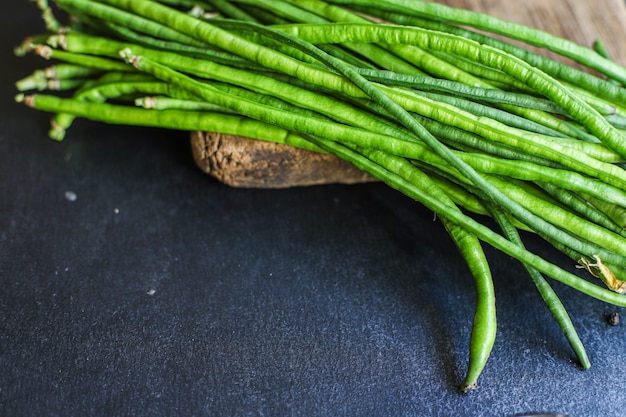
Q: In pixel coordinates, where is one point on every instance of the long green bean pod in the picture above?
(484, 326)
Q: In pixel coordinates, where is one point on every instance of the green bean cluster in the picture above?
(413, 93)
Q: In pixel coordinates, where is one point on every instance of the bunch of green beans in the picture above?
(414, 93)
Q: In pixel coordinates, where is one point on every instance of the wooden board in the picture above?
(241, 162)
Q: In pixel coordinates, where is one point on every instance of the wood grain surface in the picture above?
(245, 163)
(249, 163)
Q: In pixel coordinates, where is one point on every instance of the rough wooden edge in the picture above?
(247, 163)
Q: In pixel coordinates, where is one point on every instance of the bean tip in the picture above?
(25, 84)
(50, 72)
(43, 51)
(25, 47)
(28, 100)
(54, 84)
(468, 387)
(196, 11)
(128, 55)
(58, 41)
(56, 132)
(146, 102)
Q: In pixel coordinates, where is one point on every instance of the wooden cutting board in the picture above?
(241, 162)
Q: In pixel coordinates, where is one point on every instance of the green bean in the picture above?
(66, 84)
(56, 77)
(52, 23)
(292, 13)
(505, 118)
(488, 95)
(169, 119)
(233, 27)
(484, 324)
(181, 3)
(548, 295)
(600, 105)
(559, 177)
(487, 74)
(105, 91)
(618, 121)
(35, 81)
(615, 212)
(391, 57)
(582, 206)
(41, 83)
(111, 87)
(263, 16)
(596, 239)
(349, 58)
(168, 103)
(285, 10)
(281, 102)
(287, 119)
(470, 142)
(480, 110)
(65, 71)
(610, 244)
(29, 44)
(600, 49)
(459, 195)
(113, 15)
(209, 53)
(437, 111)
(231, 10)
(102, 64)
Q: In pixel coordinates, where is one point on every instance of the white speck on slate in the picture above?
(151, 292)
(70, 196)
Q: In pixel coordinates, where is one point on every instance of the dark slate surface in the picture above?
(159, 291)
